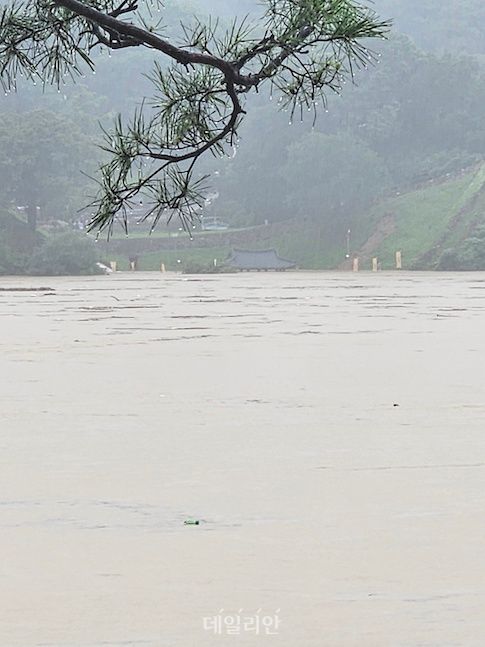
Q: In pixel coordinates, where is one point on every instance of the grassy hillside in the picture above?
(424, 222)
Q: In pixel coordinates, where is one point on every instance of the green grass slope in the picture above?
(424, 222)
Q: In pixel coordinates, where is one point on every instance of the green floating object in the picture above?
(191, 522)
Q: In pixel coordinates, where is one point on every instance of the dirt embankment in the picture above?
(384, 229)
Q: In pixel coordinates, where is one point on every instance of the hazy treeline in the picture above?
(440, 25)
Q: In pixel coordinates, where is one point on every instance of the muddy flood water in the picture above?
(327, 430)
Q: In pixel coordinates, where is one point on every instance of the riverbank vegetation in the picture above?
(66, 252)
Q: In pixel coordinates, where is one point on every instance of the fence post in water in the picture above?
(215, 262)
(398, 261)
(355, 264)
(113, 265)
(162, 267)
(375, 264)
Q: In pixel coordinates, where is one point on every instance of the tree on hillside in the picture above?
(301, 48)
(39, 166)
(346, 179)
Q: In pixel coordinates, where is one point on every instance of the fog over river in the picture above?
(328, 431)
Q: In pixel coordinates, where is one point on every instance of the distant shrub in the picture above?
(11, 261)
(469, 255)
(449, 261)
(16, 244)
(67, 253)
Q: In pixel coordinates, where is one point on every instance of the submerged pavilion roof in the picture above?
(267, 259)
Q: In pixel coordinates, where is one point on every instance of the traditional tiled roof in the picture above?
(267, 259)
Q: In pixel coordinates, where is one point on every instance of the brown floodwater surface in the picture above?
(327, 430)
